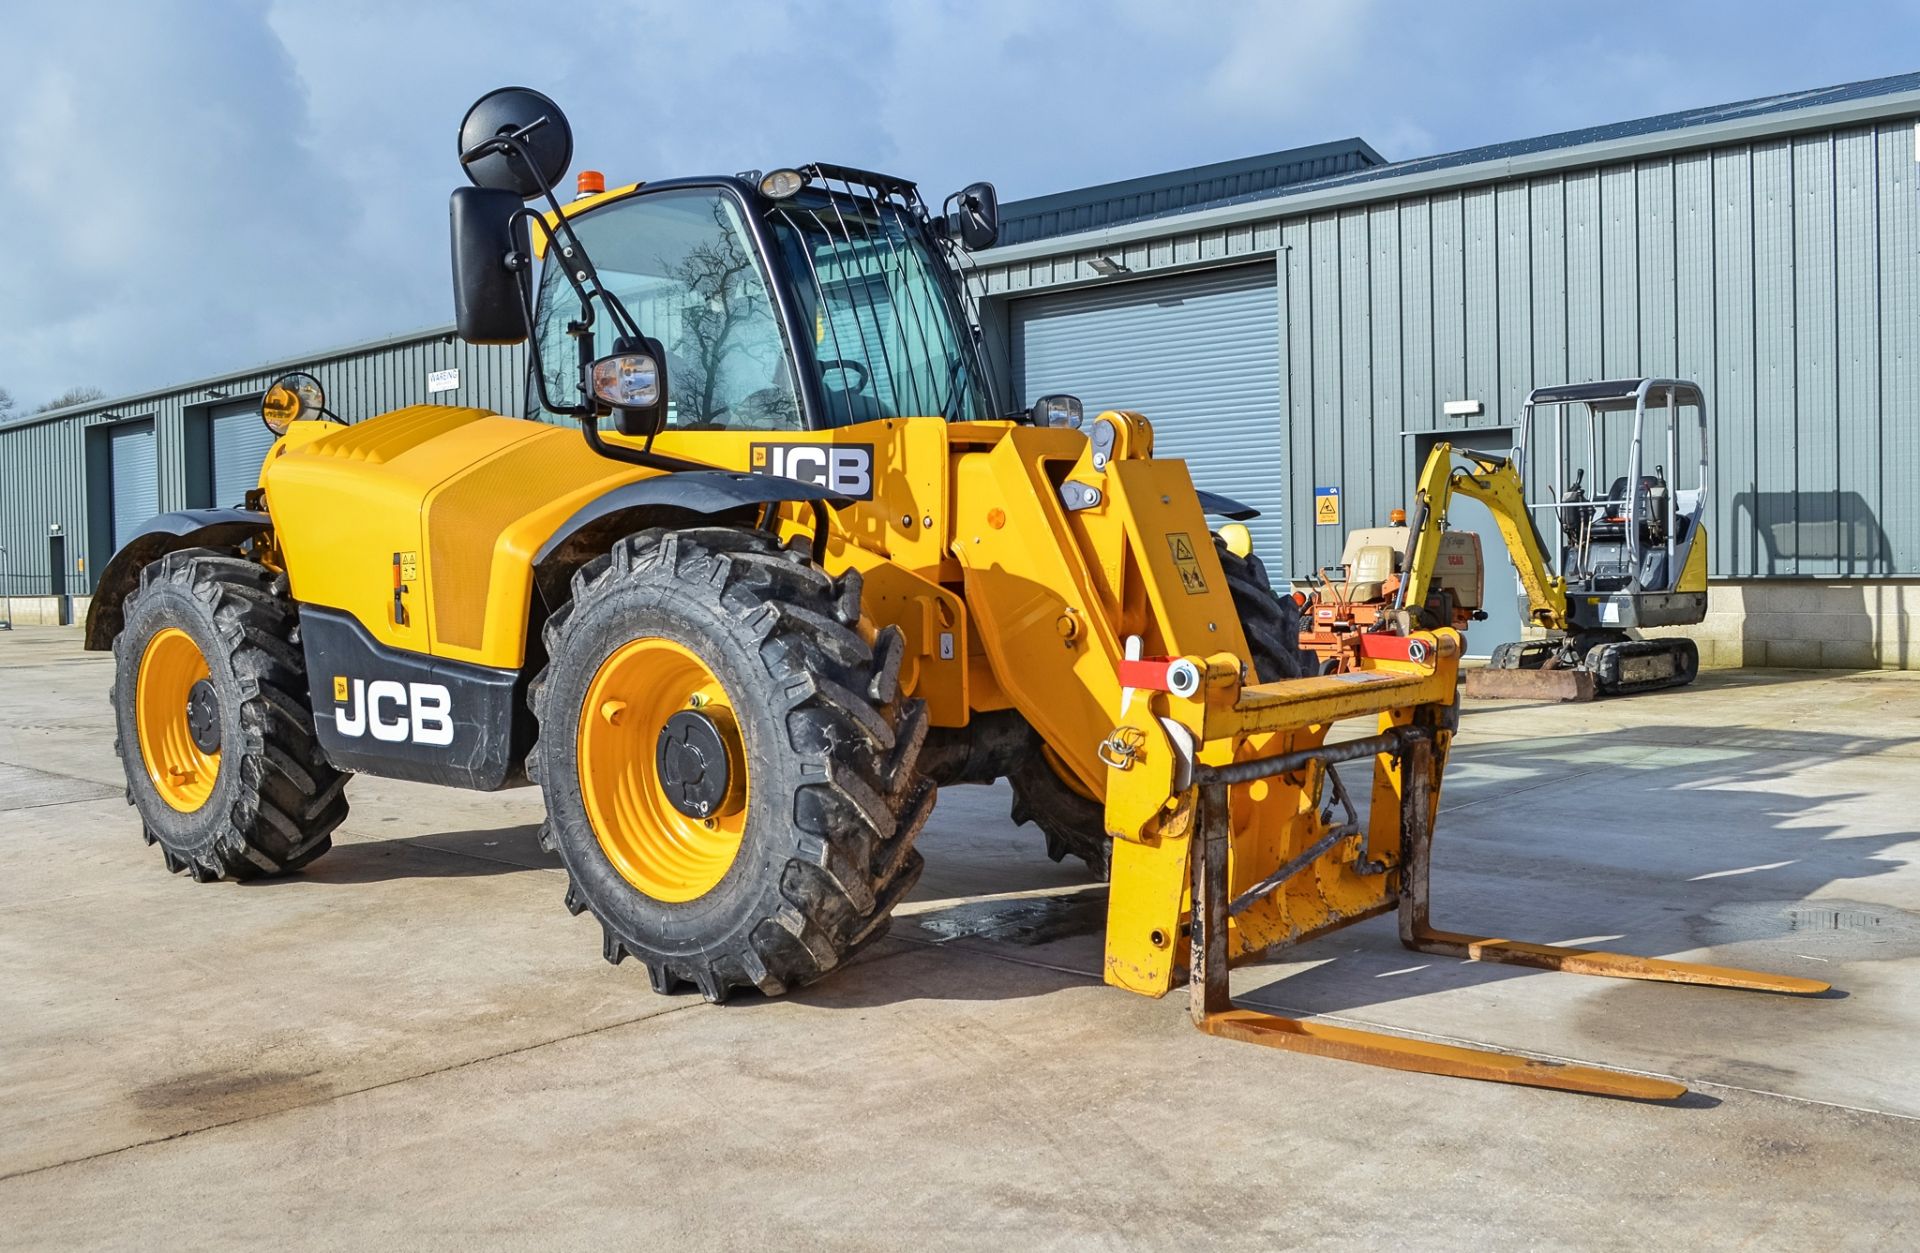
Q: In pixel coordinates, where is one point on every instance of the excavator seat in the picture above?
(1611, 524)
(1373, 566)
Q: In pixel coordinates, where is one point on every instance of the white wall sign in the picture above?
(443, 381)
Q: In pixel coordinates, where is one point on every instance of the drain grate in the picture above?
(1819, 919)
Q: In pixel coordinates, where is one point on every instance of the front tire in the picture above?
(213, 724)
(729, 771)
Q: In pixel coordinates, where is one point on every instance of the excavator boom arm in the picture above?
(1495, 483)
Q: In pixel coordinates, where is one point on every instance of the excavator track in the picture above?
(1643, 665)
(1526, 671)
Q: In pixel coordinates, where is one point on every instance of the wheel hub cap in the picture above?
(693, 763)
(203, 716)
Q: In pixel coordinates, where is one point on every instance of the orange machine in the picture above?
(1360, 592)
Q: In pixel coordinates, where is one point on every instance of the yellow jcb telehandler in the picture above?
(765, 564)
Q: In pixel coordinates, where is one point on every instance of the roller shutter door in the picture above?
(1199, 354)
(135, 490)
(240, 444)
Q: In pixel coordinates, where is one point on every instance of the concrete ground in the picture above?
(414, 1045)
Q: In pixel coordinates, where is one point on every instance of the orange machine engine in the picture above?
(1360, 592)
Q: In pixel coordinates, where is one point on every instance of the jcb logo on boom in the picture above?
(394, 712)
(843, 469)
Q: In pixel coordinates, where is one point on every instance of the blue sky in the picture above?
(199, 185)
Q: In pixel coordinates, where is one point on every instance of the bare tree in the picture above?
(72, 396)
(6, 404)
(723, 294)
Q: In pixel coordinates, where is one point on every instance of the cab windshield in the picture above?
(887, 336)
(878, 318)
(683, 263)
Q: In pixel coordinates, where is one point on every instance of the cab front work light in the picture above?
(629, 380)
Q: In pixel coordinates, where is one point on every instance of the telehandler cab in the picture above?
(792, 569)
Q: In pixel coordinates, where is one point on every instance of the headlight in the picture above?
(1057, 411)
(291, 398)
(628, 380)
(782, 183)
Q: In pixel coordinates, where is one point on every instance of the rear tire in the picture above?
(1270, 621)
(831, 801)
(1075, 824)
(263, 801)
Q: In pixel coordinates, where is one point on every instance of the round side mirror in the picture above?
(544, 138)
(291, 398)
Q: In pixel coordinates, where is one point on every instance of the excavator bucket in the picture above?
(1499, 683)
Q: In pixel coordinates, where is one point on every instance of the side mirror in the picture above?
(515, 139)
(632, 383)
(291, 398)
(489, 294)
(977, 219)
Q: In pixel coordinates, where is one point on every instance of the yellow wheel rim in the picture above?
(182, 772)
(661, 851)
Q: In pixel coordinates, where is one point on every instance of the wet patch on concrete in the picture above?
(221, 1094)
(1827, 929)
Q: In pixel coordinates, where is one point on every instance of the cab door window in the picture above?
(685, 267)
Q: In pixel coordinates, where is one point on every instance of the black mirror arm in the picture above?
(533, 343)
(580, 271)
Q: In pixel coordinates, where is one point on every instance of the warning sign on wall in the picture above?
(1326, 506)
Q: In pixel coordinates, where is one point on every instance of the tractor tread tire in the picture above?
(276, 801)
(1075, 825)
(819, 872)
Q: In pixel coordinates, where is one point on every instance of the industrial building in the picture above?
(1301, 326)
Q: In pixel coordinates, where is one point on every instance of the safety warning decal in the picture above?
(1326, 506)
(1187, 563)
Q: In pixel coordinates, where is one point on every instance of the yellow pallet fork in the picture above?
(1334, 871)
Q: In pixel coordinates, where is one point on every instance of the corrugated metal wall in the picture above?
(1781, 275)
(1784, 275)
(49, 464)
(1197, 351)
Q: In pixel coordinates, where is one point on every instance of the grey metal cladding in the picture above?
(1198, 355)
(239, 442)
(1783, 273)
(1895, 435)
(52, 460)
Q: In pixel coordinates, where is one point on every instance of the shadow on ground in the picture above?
(1609, 856)
(440, 855)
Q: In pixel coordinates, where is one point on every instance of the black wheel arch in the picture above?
(226, 530)
(673, 501)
